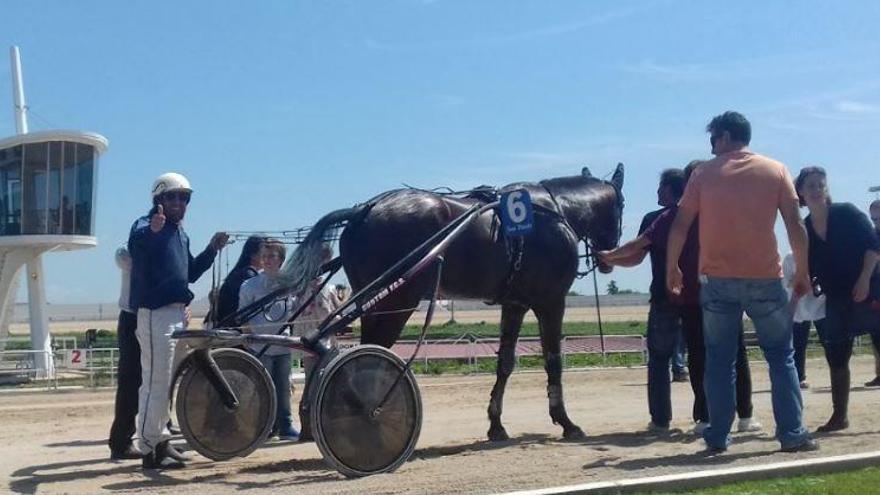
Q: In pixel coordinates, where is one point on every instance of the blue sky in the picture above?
(280, 111)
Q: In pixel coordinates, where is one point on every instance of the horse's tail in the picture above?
(305, 263)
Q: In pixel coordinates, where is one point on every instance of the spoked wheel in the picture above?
(366, 420)
(212, 429)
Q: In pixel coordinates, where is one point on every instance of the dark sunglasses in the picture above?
(178, 195)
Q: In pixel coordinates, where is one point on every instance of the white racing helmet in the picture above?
(170, 181)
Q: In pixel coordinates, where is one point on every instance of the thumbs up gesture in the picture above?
(157, 221)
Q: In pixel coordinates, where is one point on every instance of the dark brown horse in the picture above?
(535, 274)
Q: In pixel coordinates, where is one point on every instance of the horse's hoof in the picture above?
(574, 434)
(498, 434)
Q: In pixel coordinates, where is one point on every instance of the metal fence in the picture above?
(471, 348)
(19, 366)
(97, 367)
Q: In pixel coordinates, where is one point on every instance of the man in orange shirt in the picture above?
(737, 196)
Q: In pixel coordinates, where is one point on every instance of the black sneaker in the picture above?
(874, 383)
(159, 460)
(712, 451)
(175, 454)
(129, 453)
(809, 445)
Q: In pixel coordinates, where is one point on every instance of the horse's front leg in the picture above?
(511, 322)
(550, 321)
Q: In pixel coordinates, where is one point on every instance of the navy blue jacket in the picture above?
(161, 265)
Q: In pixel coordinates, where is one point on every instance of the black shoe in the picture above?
(809, 445)
(131, 452)
(712, 451)
(173, 453)
(833, 424)
(173, 429)
(159, 460)
(681, 377)
(874, 383)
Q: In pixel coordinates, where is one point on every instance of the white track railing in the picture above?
(90, 363)
(21, 363)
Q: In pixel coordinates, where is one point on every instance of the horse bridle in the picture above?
(590, 250)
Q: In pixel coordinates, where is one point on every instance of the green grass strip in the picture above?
(862, 481)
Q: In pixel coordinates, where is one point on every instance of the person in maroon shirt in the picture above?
(670, 311)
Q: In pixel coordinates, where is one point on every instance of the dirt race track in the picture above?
(55, 443)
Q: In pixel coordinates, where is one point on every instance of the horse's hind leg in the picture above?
(550, 321)
(383, 324)
(511, 321)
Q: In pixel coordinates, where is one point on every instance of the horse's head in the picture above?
(593, 207)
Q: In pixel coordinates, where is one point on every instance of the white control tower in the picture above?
(47, 203)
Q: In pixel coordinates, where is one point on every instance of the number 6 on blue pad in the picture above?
(516, 212)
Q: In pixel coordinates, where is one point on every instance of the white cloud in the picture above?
(855, 107)
(762, 68)
(672, 73)
(812, 111)
(516, 37)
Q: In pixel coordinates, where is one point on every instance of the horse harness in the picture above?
(515, 246)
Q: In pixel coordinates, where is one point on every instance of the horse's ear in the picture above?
(585, 173)
(617, 178)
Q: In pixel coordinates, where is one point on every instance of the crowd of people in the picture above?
(713, 253)
(714, 257)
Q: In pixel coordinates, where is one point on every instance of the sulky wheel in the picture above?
(357, 434)
(214, 430)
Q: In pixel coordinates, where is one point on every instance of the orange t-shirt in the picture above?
(737, 196)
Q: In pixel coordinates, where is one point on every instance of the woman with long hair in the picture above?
(844, 251)
(248, 265)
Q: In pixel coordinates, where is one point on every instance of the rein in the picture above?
(589, 255)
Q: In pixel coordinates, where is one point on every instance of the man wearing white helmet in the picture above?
(162, 269)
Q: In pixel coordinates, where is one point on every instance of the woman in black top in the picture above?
(843, 255)
(248, 265)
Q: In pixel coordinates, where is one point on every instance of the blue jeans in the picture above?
(764, 300)
(678, 356)
(664, 333)
(279, 369)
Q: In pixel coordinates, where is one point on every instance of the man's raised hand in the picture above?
(219, 240)
(157, 221)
